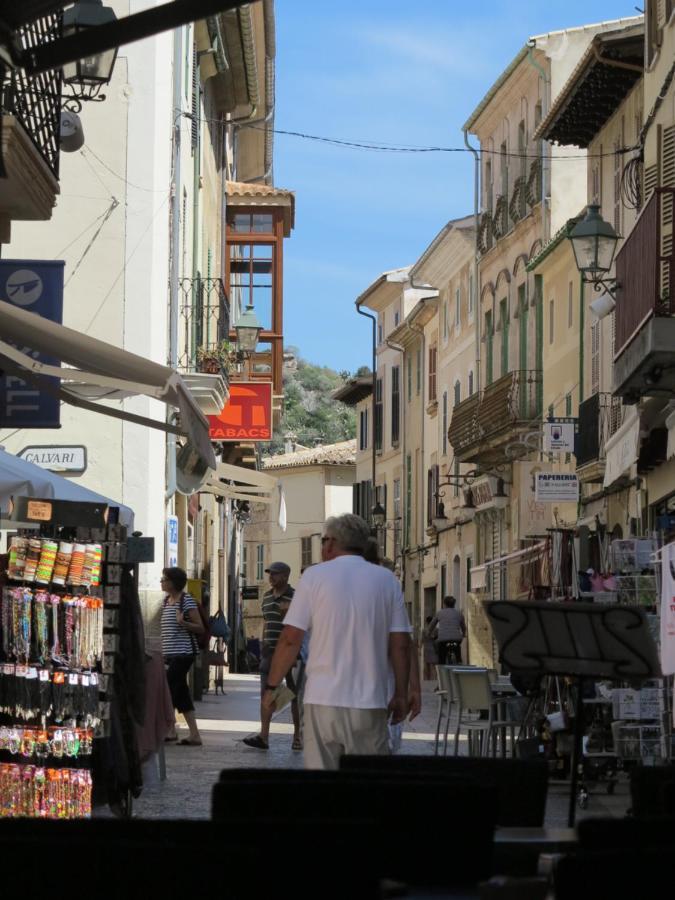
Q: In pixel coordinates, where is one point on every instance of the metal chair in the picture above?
(477, 711)
(446, 706)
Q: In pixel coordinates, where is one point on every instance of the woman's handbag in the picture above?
(215, 657)
(218, 626)
(558, 721)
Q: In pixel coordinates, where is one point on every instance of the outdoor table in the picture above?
(501, 691)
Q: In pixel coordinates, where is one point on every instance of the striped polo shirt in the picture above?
(273, 616)
(176, 641)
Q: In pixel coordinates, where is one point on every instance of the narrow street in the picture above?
(224, 720)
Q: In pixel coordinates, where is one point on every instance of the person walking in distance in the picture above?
(275, 605)
(451, 632)
(180, 625)
(358, 624)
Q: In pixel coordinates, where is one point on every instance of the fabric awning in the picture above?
(239, 483)
(20, 478)
(622, 449)
(479, 573)
(95, 370)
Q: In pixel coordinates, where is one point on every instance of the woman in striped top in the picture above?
(180, 625)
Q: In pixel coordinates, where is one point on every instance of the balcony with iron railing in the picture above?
(644, 358)
(30, 107)
(204, 328)
(600, 416)
(484, 423)
(204, 351)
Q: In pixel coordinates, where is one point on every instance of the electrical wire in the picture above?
(111, 209)
(631, 183)
(88, 150)
(386, 147)
(81, 234)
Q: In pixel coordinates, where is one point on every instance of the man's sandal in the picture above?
(297, 743)
(256, 742)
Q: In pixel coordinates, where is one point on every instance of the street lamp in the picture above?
(248, 330)
(594, 244)
(379, 515)
(87, 76)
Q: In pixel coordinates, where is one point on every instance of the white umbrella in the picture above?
(19, 478)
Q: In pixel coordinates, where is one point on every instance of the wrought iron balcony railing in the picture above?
(204, 325)
(645, 269)
(35, 101)
(600, 416)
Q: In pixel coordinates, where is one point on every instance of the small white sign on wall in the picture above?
(556, 487)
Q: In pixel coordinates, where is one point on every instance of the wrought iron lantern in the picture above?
(88, 75)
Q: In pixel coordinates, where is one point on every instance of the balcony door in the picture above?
(524, 317)
(504, 319)
(488, 348)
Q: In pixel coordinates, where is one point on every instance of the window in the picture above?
(445, 320)
(397, 318)
(305, 552)
(362, 499)
(458, 309)
(379, 333)
(504, 318)
(363, 429)
(397, 518)
(488, 186)
(432, 494)
(551, 411)
(458, 392)
(489, 336)
(410, 368)
(568, 404)
(551, 321)
(570, 305)
(444, 581)
(444, 426)
(418, 380)
(470, 383)
(243, 569)
(251, 274)
(395, 405)
(469, 566)
(408, 499)
(471, 290)
(504, 168)
(455, 474)
(379, 414)
(260, 562)
(381, 498)
(433, 356)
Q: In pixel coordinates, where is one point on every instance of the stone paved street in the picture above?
(226, 719)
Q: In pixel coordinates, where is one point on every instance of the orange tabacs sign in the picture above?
(247, 415)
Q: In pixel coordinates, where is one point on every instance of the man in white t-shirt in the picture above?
(359, 625)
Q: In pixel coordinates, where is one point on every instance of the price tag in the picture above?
(21, 671)
(85, 680)
(73, 679)
(39, 511)
(44, 674)
(32, 673)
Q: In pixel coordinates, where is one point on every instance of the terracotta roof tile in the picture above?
(342, 454)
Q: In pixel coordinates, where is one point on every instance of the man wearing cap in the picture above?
(275, 605)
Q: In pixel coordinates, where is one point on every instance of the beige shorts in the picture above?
(332, 731)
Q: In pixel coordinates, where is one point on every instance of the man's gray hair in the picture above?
(350, 532)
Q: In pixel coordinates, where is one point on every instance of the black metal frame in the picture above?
(35, 99)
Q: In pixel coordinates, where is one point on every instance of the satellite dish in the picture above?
(191, 469)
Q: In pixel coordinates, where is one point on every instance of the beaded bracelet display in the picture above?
(44, 742)
(40, 793)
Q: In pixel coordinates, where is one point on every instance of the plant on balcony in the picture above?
(214, 359)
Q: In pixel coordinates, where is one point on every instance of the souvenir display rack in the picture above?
(58, 617)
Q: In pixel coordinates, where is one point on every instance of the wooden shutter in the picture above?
(667, 180)
(595, 357)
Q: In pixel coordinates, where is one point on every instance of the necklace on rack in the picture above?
(41, 628)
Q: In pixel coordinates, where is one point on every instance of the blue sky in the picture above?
(399, 72)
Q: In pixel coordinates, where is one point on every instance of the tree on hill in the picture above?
(311, 417)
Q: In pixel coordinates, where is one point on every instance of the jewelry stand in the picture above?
(581, 640)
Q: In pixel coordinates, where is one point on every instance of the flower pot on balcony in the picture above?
(210, 365)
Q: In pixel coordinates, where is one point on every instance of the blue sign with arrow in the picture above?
(37, 287)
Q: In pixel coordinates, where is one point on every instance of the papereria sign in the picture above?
(56, 459)
(247, 415)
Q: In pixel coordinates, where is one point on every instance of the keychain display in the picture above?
(43, 742)
(29, 694)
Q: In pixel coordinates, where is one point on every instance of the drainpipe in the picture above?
(176, 188)
(531, 45)
(401, 350)
(476, 285)
(374, 349)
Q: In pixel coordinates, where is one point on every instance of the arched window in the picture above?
(456, 577)
(458, 391)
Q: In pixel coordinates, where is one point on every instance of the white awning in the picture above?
(479, 572)
(241, 484)
(94, 370)
(621, 450)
